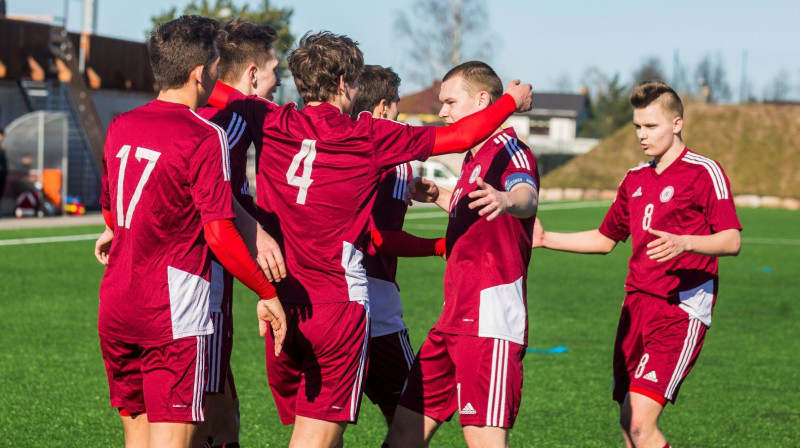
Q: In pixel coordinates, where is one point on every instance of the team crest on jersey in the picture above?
(475, 173)
(666, 193)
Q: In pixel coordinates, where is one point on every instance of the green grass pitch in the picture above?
(744, 390)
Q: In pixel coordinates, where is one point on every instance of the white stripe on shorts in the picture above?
(355, 395)
(689, 344)
(408, 353)
(495, 409)
(199, 385)
(215, 353)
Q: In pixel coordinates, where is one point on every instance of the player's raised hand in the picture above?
(269, 256)
(103, 246)
(421, 190)
(522, 94)
(495, 203)
(270, 312)
(537, 239)
(666, 247)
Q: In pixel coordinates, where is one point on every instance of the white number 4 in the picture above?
(308, 151)
(141, 153)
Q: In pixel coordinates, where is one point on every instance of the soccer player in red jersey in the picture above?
(471, 361)
(249, 64)
(166, 198)
(678, 210)
(318, 173)
(390, 352)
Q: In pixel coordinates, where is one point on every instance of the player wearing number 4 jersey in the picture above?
(318, 172)
(678, 210)
(166, 198)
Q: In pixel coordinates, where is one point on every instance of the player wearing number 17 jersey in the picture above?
(166, 198)
(318, 172)
(678, 210)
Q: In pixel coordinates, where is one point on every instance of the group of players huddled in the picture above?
(319, 246)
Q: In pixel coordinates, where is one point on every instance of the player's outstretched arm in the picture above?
(473, 129)
(230, 250)
(588, 242)
(668, 245)
(399, 243)
(522, 201)
(260, 244)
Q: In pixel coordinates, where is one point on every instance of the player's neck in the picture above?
(187, 97)
(665, 160)
(474, 150)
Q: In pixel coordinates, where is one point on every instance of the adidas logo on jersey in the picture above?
(638, 192)
(468, 409)
(651, 376)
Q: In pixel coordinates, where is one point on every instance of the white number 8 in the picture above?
(648, 216)
(642, 364)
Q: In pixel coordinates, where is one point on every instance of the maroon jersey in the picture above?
(690, 197)
(487, 261)
(388, 213)
(165, 175)
(239, 140)
(318, 172)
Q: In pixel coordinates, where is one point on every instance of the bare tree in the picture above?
(713, 79)
(650, 70)
(563, 84)
(779, 88)
(443, 34)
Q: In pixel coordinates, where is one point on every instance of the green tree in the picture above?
(609, 107)
(224, 10)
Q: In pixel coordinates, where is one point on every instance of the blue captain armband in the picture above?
(517, 178)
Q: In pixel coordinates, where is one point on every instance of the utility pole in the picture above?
(89, 27)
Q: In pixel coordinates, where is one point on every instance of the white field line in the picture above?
(50, 239)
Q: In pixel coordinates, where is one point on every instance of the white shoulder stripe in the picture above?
(518, 162)
(223, 142)
(521, 153)
(714, 171)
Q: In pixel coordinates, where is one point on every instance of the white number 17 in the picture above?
(308, 151)
(141, 153)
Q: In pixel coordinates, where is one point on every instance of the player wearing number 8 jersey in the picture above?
(318, 172)
(678, 210)
(166, 198)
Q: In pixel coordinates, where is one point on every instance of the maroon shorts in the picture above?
(166, 381)
(390, 358)
(481, 378)
(657, 345)
(220, 343)
(320, 371)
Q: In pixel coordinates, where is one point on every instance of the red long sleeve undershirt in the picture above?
(108, 218)
(473, 129)
(232, 253)
(403, 244)
(464, 134)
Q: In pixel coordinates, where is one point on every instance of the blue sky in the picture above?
(540, 42)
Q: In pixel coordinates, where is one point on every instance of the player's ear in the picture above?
(677, 125)
(484, 99)
(197, 74)
(342, 85)
(382, 108)
(252, 70)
